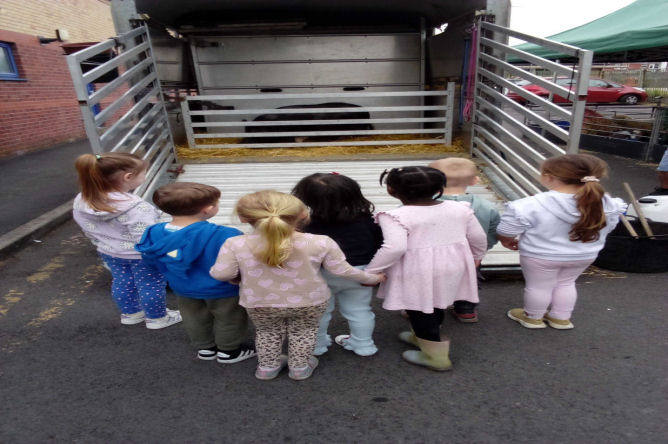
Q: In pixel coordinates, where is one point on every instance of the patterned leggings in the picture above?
(273, 324)
(135, 286)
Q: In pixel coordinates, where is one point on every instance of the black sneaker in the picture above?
(241, 354)
(207, 354)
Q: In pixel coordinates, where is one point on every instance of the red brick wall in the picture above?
(42, 110)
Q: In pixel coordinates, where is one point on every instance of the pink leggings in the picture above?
(550, 284)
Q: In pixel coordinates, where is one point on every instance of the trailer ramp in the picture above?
(236, 180)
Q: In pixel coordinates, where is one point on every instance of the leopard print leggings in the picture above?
(300, 324)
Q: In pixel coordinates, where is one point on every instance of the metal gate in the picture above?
(514, 130)
(259, 120)
(121, 102)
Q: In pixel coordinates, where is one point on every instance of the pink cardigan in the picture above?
(297, 283)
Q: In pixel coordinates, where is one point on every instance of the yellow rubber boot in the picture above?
(408, 337)
(433, 355)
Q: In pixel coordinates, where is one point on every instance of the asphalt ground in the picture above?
(70, 372)
(35, 183)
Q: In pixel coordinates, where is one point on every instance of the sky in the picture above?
(542, 18)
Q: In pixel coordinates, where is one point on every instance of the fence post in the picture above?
(641, 78)
(657, 125)
(449, 113)
(187, 122)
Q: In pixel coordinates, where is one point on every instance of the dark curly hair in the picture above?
(415, 182)
(332, 197)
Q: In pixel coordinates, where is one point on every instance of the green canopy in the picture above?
(637, 32)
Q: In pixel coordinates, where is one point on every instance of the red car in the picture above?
(600, 91)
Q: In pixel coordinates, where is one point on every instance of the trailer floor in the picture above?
(236, 179)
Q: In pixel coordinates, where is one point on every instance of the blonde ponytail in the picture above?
(275, 217)
(98, 176)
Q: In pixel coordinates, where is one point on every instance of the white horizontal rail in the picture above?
(334, 143)
(274, 96)
(321, 122)
(319, 133)
(360, 109)
(561, 47)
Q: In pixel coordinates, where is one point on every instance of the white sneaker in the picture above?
(132, 318)
(172, 317)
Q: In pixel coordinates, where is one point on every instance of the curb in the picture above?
(19, 237)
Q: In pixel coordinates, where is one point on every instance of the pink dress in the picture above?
(428, 254)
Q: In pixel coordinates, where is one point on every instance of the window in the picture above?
(8, 69)
(596, 83)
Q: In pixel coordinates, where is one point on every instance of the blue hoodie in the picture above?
(185, 256)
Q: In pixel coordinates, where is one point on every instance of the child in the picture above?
(430, 251)
(560, 234)
(461, 173)
(662, 171)
(114, 220)
(184, 250)
(281, 285)
(340, 211)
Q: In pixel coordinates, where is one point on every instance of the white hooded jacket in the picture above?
(115, 234)
(543, 222)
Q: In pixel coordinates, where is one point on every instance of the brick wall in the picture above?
(84, 20)
(42, 110)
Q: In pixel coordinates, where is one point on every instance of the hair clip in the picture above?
(98, 157)
(589, 179)
(335, 173)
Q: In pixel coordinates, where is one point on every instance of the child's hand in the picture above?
(510, 243)
(382, 277)
(477, 262)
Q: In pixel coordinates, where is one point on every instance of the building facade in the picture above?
(38, 107)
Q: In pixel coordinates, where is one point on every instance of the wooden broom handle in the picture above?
(641, 216)
(628, 226)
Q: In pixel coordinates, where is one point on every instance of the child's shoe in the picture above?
(348, 343)
(408, 337)
(299, 374)
(241, 354)
(132, 318)
(559, 324)
(466, 318)
(207, 354)
(433, 355)
(518, 314)
(172, 317)
(464, 311)
(267, 374)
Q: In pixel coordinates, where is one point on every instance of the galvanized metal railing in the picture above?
(391, 113)
(511, 149)
(121, 102)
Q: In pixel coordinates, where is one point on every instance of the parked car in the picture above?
(599, 91)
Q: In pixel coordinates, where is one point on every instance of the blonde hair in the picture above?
(275, 217)
(458, 171)
(571, 169)
(99, 175)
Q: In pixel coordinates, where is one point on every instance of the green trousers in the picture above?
(221, 322)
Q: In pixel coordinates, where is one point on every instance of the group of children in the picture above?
(323, 245)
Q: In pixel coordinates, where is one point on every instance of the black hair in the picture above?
(332, 197)
(415, 183)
